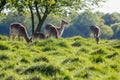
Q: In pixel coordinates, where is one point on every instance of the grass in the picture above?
(74, 58)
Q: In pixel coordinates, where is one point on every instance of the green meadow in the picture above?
(74, 58)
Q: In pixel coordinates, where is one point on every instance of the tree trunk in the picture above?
(32, 19)
(41, 19)
(2, 4)
(37, 10)
(38, 29)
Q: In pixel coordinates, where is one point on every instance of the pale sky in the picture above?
(110, 6)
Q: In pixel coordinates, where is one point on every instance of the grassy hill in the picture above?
(73, 58)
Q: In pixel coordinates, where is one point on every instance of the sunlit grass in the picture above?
(74, 58)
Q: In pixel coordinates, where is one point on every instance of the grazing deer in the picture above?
(17, 29)
(51, 30)
(38, 35)
(95, 30)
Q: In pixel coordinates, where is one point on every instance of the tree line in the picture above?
(109, 24)
(78, 23)
(42, 8)
(35, 14)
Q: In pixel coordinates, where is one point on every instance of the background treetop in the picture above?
(42, 8)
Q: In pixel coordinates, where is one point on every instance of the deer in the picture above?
(17, 29)
(95, 30)
(51, 30)
(38, 35)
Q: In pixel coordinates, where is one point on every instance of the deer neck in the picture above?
(61, 29)
(26, 37)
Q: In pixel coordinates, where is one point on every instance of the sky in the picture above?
(110, 6)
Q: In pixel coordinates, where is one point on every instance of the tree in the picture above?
(44, 7)
(106, 31)
(81, 25)
(116, 30)
(111, 18)
(8, 19)
(2, 4)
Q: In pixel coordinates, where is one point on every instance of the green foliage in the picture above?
(80, 26)
(2, 4)
(116, 29)
(105, 30)
(44, 7)
(10, 18)
(111, 18)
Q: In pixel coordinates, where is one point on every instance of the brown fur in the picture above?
(17, 29)
(51, 30)
(38, 35)
(95, 30)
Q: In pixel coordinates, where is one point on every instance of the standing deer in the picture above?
(51, 30)
(17, 29)
(38, 35)
(95, 30)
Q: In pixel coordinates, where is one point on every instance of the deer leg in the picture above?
(18, 37)
(56, 36)
(47, 36)
(9, 36)
(97, 40)
(13, 36)
(94, 35)
(22, 38)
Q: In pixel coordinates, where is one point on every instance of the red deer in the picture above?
(95, 30)
(17, 29)
(38, 35)
(51, 30)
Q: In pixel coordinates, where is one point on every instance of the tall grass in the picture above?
(74, 58)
